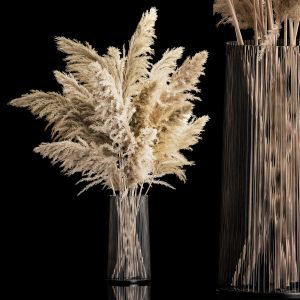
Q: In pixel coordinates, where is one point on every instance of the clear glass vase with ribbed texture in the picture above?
(129, 241)
(260, 210)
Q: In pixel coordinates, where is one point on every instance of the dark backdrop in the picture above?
(55, 242)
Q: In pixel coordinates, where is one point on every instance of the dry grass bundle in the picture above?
(265, 17)
(287, 9)
(121, 121)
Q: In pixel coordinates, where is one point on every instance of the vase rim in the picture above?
(250, 43)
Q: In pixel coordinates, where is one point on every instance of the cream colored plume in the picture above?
(242, 10)
(120, 120)
(287, 9)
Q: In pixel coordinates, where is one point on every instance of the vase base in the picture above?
(126, 282)
(240, 295)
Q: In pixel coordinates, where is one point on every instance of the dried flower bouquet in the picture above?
(122, 122)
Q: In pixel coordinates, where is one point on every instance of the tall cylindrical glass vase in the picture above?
(129, 242)
(260, 210)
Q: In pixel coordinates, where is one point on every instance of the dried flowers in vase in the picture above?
(122, 121)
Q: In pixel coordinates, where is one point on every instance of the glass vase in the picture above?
(129, 242)
(260, 210)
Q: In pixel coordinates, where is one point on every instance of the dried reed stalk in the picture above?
(235, 23)
(264, 17)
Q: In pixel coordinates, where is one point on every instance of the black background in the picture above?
(55, 243)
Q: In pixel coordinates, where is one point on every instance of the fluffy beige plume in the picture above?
(187, 76)
(177, 90)
(137, 63)
(119, 122)
(144, 104)
(71, 88)
(287, 9)
(190, 133)
(243, 9)
(180, 133)
(79, 56)
(67, 120)
(90, 160)
(142, 162)
(166, 66)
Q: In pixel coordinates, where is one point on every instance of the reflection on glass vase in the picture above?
(130, 292)
(260, 215)
(129, 242)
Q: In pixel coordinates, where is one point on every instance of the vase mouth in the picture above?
(251, 43)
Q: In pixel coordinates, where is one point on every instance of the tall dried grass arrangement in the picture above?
(120, 120)
(267, 18)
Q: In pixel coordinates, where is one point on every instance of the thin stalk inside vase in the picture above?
(264, 17)
(273, 201)
(131, 292)
(129, 261)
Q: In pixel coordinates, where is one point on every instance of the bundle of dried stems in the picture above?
(121, 121)
(267, 18)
